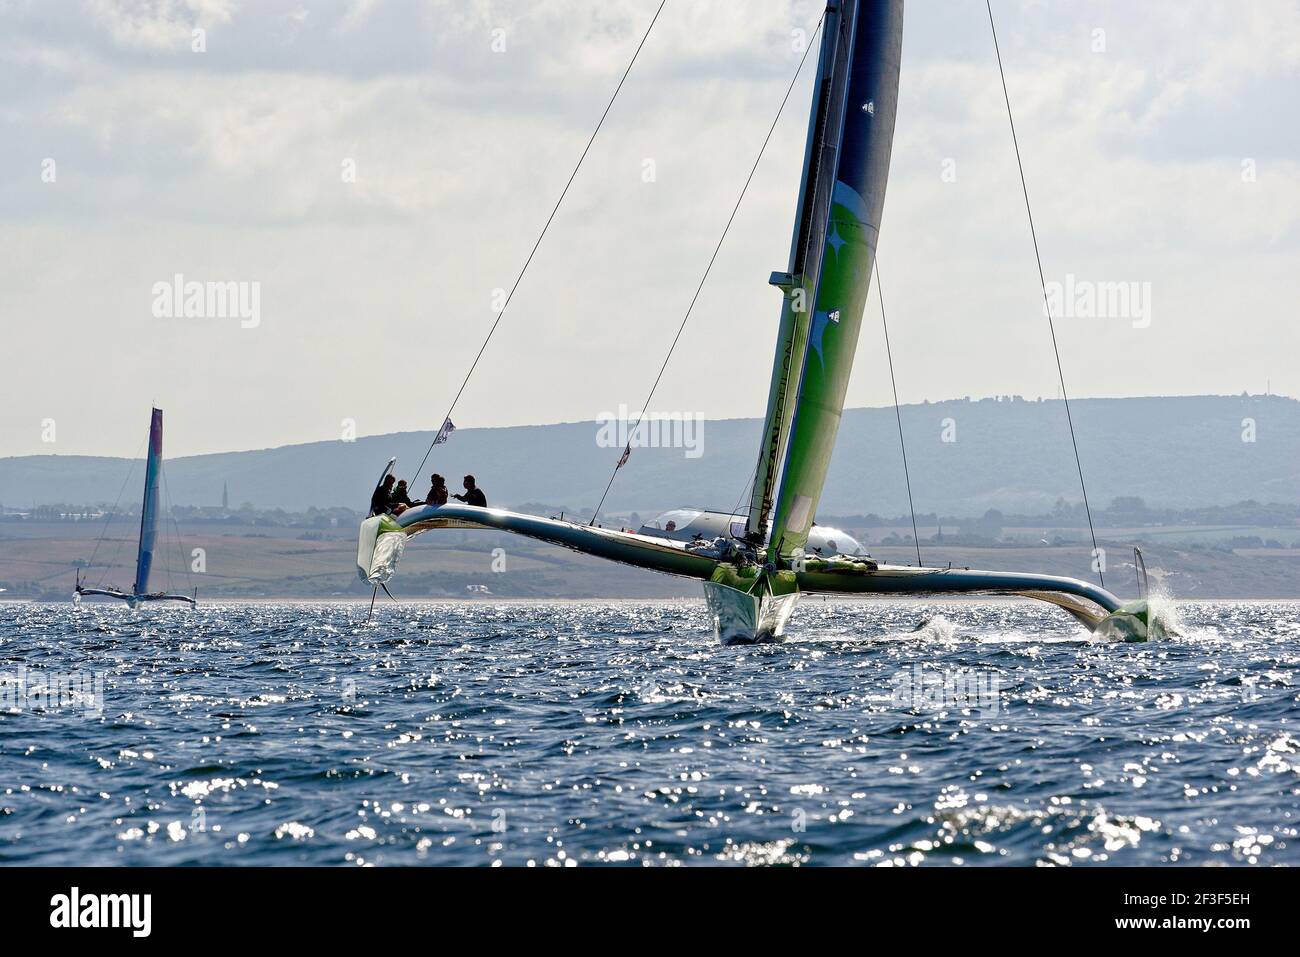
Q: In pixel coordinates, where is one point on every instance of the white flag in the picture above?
(444, 433)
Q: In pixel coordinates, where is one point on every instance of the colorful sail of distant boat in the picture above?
(149, 508)
(149, 517)
(755, 565)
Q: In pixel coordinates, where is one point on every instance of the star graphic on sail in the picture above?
(821, 320)
(835, 239)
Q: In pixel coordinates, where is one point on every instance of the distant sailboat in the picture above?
(149, 513)
(754, 566)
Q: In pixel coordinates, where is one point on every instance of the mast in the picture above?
(149, 509)
(797, 283)
(846, 166)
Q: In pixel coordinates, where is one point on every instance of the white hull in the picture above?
(740, 618)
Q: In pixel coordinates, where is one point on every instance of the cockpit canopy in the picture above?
(689, 524)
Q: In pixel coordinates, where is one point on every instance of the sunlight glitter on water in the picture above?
(881, 733)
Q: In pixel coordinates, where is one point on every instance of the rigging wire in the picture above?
(712, 259)
(112, 564)
(746, 492)
(176, 530)
(880, 291)
(527, 262)
(112, 512)
(1046, 302)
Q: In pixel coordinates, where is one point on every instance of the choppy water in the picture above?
(564, 733)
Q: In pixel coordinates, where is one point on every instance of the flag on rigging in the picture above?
(444, 433)
(627, 454)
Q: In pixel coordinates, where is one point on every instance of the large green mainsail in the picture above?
(846, 167)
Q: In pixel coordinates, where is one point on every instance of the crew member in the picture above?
(382, 498)
(473, 494)
(437, 491)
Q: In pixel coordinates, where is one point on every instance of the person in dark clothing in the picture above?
(437, 491)
(400, 496)
(473, 494)
(382, 498)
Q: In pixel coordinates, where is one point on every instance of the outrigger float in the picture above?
(755, 565)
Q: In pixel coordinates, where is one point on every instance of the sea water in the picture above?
(575, 733)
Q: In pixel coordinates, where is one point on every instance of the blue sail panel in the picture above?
(149, 509)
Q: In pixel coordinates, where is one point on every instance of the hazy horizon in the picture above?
(379, 167)
(169, 454)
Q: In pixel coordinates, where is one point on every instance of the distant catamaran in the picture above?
(149, 512)
(755, 565)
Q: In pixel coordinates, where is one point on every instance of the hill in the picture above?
(965, 456)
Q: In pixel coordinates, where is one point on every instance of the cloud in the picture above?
(162, 26)
(234, 163)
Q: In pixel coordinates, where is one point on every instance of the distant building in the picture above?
(225, 495)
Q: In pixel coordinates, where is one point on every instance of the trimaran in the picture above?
(754, 566)
(149, 514)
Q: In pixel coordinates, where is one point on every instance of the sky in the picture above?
(375, 171)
